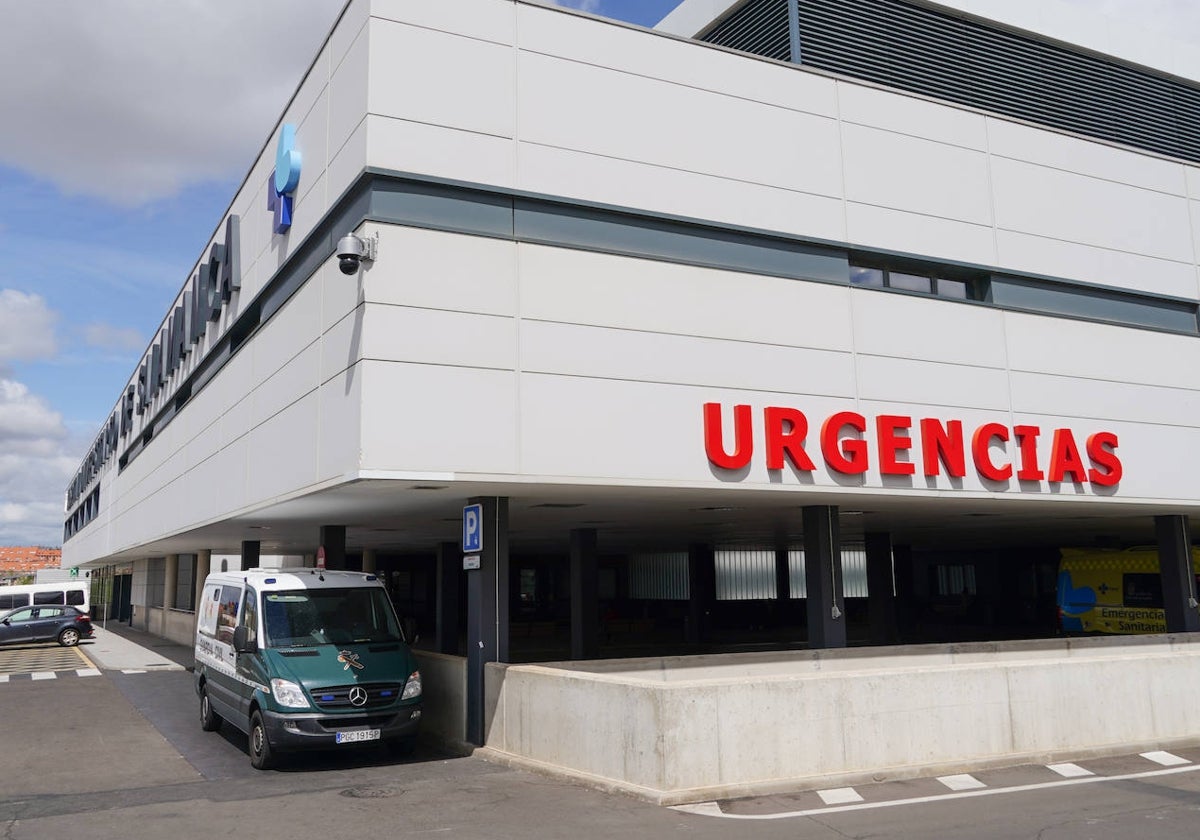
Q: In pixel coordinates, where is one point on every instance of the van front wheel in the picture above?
(261, 755)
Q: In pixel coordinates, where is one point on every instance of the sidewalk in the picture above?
(122, 648)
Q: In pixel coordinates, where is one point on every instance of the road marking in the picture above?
(88, 672)
(1070, 771)
(3, 678)
(43, 675)
(1166, 759)
(963, 781)
(713, 809)
(839, 796)
(131, 671)
(84, 657)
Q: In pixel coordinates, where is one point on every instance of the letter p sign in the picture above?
(472, 541)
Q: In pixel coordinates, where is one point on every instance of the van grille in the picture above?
(337, 698)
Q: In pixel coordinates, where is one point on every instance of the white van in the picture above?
(304, 658)
(60, 593)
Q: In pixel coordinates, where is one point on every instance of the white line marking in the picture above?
(3, 678)
(1070, 771)
(839, 796)
(712, 809)
(1166, 759)
(963, 781)
(44, 675)
(87, 672)
(131, 671)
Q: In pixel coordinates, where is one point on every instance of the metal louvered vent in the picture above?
(917, 49)
(759, 27)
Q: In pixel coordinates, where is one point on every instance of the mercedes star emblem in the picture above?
(358, 696)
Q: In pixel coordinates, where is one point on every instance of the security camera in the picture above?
(352, 250)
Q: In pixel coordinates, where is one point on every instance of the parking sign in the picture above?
(472, 540)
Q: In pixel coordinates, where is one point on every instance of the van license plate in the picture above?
(357, 736)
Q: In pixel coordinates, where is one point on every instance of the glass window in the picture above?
(249, 618)
(871, 277)
(55, 597)
(22, 615)
(310, 617)
(908, 282)
(185, 583)
(75, 597)
(952, 288)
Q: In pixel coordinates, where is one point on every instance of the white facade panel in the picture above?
(892, 111)
(340, 407)
(485, 20)
(291, 330)
(405, 146)
(1076, 208)
(433, 418)
(914, 233)
(294, 381)
(608, 291)
(441, 78)
(916, 175)
(1083, 157)
(1095, 399)
(606, 180)
(604, 353)
(1023, 252)
(282, 451)
(884, 379)
(445, 271)
(348, 91)
(436, 337)
(578, 106)
(910, 327)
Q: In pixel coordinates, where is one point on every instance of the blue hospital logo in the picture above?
(281, 187)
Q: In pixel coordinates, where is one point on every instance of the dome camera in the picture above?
(352, 250)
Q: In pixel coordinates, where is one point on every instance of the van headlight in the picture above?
(289, 694)
(412, 688)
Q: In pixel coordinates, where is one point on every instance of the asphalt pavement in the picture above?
(116, 751)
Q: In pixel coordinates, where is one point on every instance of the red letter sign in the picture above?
(944, 444)
(788, 443)
(886, 426)
(851, 456)
(743, 435)
(983, 458)
(1102, 450)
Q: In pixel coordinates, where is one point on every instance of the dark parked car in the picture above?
(65, 625)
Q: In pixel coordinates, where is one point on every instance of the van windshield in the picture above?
(311, 617)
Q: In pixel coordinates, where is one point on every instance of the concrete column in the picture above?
(449, 579)
(1178, 576)
(487, 610)
(585, 594)
(368, 560)
(333, 540)
(203, 566)
(170, 580)
(823, 573)
(702, 591)
(250, 554)
(881, 601)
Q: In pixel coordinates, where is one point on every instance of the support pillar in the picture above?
(585, 595)
(823, 574)
(170, 581)
(1178, 576)
(702, 592)
(250, 554)
(203, 567)
(333, 540)
(449, 578)
(906, 592)
(881, 593)
(487, 611)
(369, 561)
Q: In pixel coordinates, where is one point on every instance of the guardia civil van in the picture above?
(304, 658)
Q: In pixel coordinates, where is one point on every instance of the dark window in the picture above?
(1143, 590)
(954, 580)
(8, 602)
(185, 582)
(75, 597)
(55, 597)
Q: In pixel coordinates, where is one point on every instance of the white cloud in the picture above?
(592, 6)
(108, 337)
(131, 100)
(26, 327)
(34, 468)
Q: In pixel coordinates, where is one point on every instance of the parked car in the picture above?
(62, 624)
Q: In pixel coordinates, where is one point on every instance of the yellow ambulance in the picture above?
(1111, 591)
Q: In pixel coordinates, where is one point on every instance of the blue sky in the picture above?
(128, 124)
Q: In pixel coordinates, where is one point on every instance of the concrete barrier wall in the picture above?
(689, 729)
(176, 625)
(444, 686)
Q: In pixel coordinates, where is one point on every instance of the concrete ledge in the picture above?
(687, 729)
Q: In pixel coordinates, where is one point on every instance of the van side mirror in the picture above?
(242, 643)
